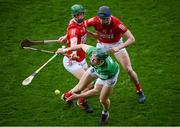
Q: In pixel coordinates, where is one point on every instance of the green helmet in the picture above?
(76, 9)
(100, 53)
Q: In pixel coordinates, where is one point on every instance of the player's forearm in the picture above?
(63, 51)
(93, 35)
(84, 47)
(129, 41)
(74, 41)
(89, 93)
(73, 48)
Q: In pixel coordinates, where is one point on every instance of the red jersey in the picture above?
(79, 31)
(108, 33)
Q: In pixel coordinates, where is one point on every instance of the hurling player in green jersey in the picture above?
(103, 69)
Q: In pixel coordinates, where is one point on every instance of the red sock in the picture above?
(81, 100)
(138, 87)
(68, 94)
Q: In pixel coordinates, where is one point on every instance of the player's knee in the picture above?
(128, 69)
(102, 100)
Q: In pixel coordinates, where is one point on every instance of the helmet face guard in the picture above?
(79, 17)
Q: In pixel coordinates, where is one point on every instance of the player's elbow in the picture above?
(132, 39)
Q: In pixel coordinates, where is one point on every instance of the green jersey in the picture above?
(108, 69)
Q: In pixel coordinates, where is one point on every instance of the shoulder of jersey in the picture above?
(115, 19)
(93, 19)
(96, 19)
(72, 23)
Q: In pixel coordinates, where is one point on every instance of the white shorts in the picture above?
(73, 66)
(111, 82)
(107, 46)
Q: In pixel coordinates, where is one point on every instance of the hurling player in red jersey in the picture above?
(110, 31)
(75, 61)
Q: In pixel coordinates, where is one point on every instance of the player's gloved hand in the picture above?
(62, 39)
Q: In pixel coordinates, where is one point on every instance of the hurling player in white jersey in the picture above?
(110, 31)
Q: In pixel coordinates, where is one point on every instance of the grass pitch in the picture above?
(155, 57)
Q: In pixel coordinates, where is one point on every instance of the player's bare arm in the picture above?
(84, 47)
(73, 41)
(129, 40)
(89, 93)
(93, 35)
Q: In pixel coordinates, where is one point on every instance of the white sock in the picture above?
(105, 112)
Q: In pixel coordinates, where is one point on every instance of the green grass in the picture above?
(155, 57)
